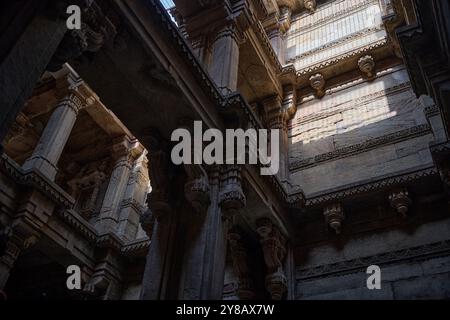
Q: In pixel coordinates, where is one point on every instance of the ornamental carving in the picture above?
(241, 267)
(231, 195)
(317, 82)
(147, 220)
(273, 244)
(310, 5)
(334, 216)
(96, 31)
(367, 66)
(197, 193)
(400, 201)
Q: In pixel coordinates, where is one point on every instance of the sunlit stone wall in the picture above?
(360, 131)
(335, 29)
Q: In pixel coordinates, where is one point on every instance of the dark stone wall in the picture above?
(427, 279)
(414, 265)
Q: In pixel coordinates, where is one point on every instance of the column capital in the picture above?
(231, 196)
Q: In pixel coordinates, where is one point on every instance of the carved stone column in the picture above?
(125, 153)
(225, 59)
(54, 138)
(241, 267)
(274, 248)
(131, 207)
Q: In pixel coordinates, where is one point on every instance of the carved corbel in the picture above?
(240, 265)
(367, 66)
(285, 18)
(147, 221)
(400, 201)
(274, 248)
(317, 82)
(310, 5)
(289, 102)
(231, 195)
(334, 216)
(273, 112)
(98, 286)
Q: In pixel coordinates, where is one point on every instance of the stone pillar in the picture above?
(131, 206)
(276, 40)
(225, 59)
(54, 138)
(109, 216)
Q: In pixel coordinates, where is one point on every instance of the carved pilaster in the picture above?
(231, 195)
(13, 246)
(125, 151)
(225, 58)
(334, 216)
(400, 201)
(317, 82)
(240, 265)
(274, 248)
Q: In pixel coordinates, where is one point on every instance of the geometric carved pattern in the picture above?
(369, 187)
(369, 144)
(438, 249)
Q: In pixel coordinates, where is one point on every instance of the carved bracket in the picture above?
(334, 216)
(400, 201)
(274, 248)
(367, 66)
(317, 82)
